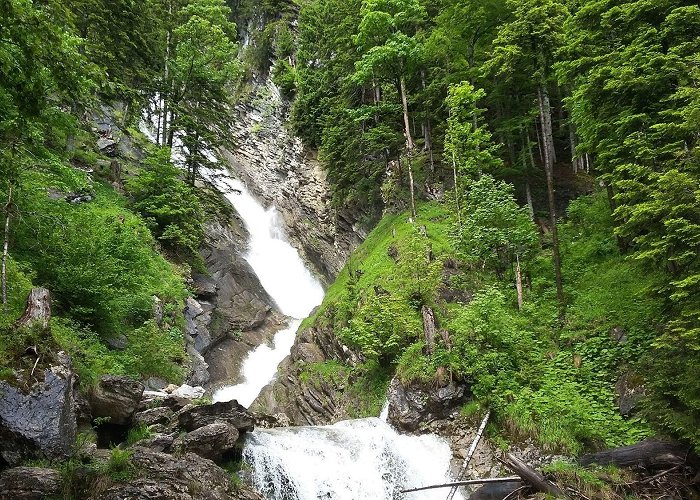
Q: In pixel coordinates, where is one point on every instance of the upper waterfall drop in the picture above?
(277, 263)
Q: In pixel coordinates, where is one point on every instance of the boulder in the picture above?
(159, 442)
(229, 412)
(29, 483)
(188, 392)
(413, 405)
(116, 398)
(183, 477)
(210, 441)
(153, 416)
(40, 422)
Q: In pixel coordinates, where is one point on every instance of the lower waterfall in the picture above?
(351, 460)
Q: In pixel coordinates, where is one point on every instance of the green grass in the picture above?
(542, 380)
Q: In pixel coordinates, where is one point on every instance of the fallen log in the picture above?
(470, 454)
(532, 477)
(465, 483)
(649, 454)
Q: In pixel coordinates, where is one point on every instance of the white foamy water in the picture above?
(284, 276)
(277, 264)
(351, 460)
(259, 368)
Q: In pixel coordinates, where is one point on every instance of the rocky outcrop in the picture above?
(211, 441)
(228, 412)
(116, 398)
(414, 405)
(278, 169)
(41, 422)
(29, 483)
(184, 477)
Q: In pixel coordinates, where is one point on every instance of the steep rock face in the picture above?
(231, 312)
(308, 401)
(40, 423)
(280, 171)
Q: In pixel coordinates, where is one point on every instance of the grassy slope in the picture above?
(544, 381)
(102, 266)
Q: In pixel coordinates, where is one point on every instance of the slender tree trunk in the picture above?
(572, 143)
(528, 197)
(546, 119)
(409, 143)
(518, 282)
(454, 172)
(166, 75)
(5, 249)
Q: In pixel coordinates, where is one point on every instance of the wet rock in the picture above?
(229, 412)
(29, 483)
(116, 398)
(210, 441)
(153, 416)
(40, 422)
(169, 477)
(411, 406)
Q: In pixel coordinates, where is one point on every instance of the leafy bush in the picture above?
(168, 204)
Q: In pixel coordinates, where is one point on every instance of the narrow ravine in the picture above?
(354, 459)
(350, 460)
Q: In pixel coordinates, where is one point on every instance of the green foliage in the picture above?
(168, 204)
(119, 466)
(495, 231)
(137, 434)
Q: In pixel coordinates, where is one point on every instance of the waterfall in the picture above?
(351, 460)
(284, 276)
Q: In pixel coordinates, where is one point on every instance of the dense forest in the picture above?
(530, 168)
(404, 98)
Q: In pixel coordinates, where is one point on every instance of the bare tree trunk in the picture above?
(166, 75)
(454, 172)
(572, 143)
(37, 310)
(518, 283)
(5, 249)
(409, 143)
(546, 119)
(528, 196)
(429, 329)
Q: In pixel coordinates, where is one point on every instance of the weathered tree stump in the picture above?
(38, 309)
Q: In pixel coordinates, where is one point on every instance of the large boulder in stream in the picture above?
(116, 398)
(416, 404)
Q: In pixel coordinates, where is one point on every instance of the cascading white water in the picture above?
(351, 460)
(283, 275)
